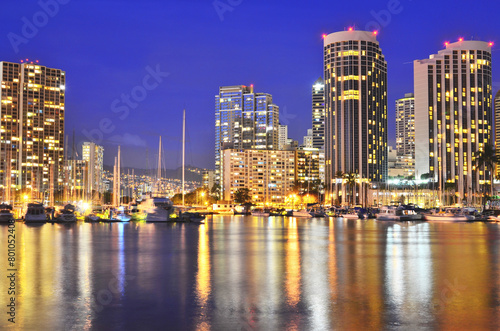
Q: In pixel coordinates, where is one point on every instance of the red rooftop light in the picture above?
(324, 35)
(446, 43)
(351, 28)
(375, 32)
(491, 43)
(460, 39)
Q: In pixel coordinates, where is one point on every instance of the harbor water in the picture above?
(254, 273)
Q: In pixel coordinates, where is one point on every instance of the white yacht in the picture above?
(301, 213)
(447, 215)
(35, 213)
(260, 212)
(387, 213)
(349, 215)
(156, 209)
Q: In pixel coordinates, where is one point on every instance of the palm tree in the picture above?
(487, 158)
(350, 178)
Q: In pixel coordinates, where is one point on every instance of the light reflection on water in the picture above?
(256, 273)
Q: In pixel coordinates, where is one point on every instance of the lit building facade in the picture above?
(405, 125)
(355, 106)
(244, 120)
(308, 167)
(497, 129)
(94, 155)
(77, 172)
(453, 115)
(307, 141)
(32, 126)
(268, 174)
(318, 113)
(208, 178)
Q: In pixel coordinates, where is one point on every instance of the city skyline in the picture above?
(119, 69)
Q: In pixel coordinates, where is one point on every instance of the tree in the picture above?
(215, 191)
(242, 195)
(487, 158)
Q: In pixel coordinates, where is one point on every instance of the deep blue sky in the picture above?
(105, 47)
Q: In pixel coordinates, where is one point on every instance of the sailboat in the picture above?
(186, 216)
(156, 208)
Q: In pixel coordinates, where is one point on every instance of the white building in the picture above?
(94, 155)
(453, 115)
(282, 136)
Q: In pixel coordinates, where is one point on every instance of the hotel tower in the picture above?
(32, 127)
(355, 106)
(453, 115)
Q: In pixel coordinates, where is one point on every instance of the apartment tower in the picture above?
(453, 115)
(32, 122)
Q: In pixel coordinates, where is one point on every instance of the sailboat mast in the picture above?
(158, 175)
(183, 150)
(118, 177)
(114, 184)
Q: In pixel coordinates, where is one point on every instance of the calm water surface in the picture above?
(250, 273)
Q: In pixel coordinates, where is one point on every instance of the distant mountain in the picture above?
(191, 173)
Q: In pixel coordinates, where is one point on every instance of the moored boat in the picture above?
(260, 212)
(66, 214)
(192, 217)
(390, 213)
(156, 209)
(301, 213)
(6, 214)
(447, 215)
(35, 213)
(349, 214)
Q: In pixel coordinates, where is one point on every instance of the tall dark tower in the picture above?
(356, 106)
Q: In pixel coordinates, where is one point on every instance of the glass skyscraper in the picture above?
(244, 120)
(318, 113)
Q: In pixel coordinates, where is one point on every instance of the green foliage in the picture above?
(242, 195)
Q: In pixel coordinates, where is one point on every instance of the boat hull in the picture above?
(446, 218)
(350, 216)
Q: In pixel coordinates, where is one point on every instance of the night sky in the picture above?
(108, 49)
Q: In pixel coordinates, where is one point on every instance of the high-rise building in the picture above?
(268, 174)
(405, 125)
(307, 141)
(94, 155)
(453, 115)
(497, 129)
(282, 136)
(307, 168)
(208, 179)
(318, 113)
(355, 106)
(244, 120)
(32, 122)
